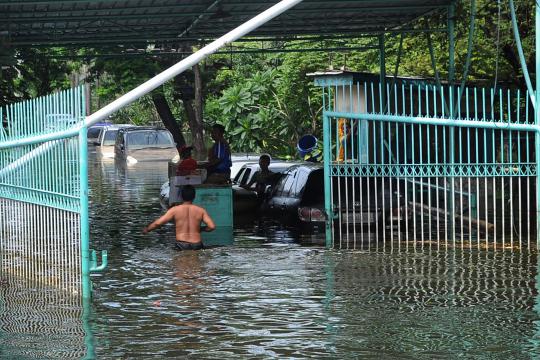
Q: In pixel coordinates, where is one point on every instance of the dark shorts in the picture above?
(183, 245)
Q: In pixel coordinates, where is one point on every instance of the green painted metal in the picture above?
(44, 170)
(469, 52)
(85, 227)
(382, 67)
(537, 121)
(520, 52)
(327, 153)
(451, 42)
(463, 156)
(217, 200)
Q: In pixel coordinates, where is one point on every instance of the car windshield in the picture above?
(93, 132)
(149, 138)
(109, 137)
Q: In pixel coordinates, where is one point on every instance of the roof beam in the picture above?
(184, 54)
(104, 40)
(104, 14)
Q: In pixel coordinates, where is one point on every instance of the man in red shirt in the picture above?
(188, 164)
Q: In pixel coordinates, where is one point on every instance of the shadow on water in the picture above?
(269, 296)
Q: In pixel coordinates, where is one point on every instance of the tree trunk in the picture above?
(166, 115)
(196, 121)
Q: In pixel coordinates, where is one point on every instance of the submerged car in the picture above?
(298, 198)
(106, 140)
(94, 132)
(134, 144)
(239, 159)
(246, 199)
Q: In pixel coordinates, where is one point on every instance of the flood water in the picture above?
(270, 296)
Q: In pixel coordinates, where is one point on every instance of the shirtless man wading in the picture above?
(187, 219)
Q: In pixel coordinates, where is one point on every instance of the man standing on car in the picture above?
(219, 158)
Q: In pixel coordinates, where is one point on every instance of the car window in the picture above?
(314, 188)
(109, 137)
(281, 184)
(149, 138)
(301, 179)
(245, 177)
(289, 183)
(239, 176)
(93, 132)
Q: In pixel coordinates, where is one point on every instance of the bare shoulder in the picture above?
(198, 208)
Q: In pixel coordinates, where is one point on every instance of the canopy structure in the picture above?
(80, 23)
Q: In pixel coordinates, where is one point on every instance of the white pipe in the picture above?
(191, 60)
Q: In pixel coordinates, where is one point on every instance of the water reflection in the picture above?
(37, 322)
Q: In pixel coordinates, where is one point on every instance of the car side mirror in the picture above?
(268, 190)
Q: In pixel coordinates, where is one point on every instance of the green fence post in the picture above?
(382, 69)
(537, 122)
(327, 157)
(85, 230)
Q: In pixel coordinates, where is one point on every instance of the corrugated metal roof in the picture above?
(113, 22)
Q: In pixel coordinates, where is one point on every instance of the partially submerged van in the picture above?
(134, 144)
(106, 140)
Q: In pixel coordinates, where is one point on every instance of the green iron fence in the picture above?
(44, 192)
(412, 164)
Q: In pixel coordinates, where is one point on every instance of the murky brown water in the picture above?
(267, 296)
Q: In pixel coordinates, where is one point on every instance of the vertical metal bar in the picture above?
(84, 226)
(451, 42)
(375, 179)
(382, 69)
(390, 179)
(405, 161)
(537, 122)
(493, 152)
(485, 161)
(451, 198)
(437, 165)
(381, 139)
(528, 156)
(327, 180)
(501, 117)
(374, 161)
(511, 166)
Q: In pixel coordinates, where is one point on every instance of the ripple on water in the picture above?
(267, 296)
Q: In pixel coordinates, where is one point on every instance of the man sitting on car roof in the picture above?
(262, 178)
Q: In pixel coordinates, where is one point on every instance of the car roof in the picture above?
(273, 165)
(118, 126)
(141, 128)
(309, 166)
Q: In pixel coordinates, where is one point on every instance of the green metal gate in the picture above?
(44, 230)
(412, 164)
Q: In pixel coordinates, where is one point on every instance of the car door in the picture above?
(293, 199)
(284, 202)
(278, 199)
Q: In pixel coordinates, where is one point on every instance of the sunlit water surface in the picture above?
(268, 296)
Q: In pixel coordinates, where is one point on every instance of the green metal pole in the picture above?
(85, 230)
(537, 122)
(327, 179)
(382, 68)
(451, 77)
(451, 43)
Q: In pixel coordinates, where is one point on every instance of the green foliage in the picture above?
(266, 101)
